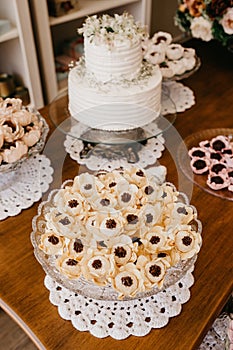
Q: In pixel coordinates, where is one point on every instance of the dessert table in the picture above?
(22, 292)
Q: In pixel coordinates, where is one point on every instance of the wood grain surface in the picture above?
(22, 291)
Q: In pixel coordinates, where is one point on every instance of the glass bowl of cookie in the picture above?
(23, 133)
(116, 236)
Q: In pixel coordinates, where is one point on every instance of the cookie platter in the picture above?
(124, 249)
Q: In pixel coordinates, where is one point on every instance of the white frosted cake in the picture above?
(112, 87)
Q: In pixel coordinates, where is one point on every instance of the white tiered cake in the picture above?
(112, 87)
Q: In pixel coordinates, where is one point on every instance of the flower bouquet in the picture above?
(207, 20)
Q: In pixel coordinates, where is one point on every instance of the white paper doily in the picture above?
(120, 319)
(147, 155)
(216, 338)
(21, 188)
(181, 95)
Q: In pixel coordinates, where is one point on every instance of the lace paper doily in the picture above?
(147, 155)
(182, 96)
(21, 188)
(120, 319)
(216, 338)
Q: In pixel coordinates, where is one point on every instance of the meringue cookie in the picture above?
(187, 242)
(10, 105)
(155, 54)
(189, 52)
(70, 203)
(128, 281)
(23, 117)
(1, 137)
(76, 248)
(179, 66)
(97, 267)
(189, 63)
(155, 240)
(162, 37)
(218, 182)
(52, 244)
(70, 267)
(12, 132)
(167, 69)
(31, 137)
(124, 253)
(15, 152)
(174, 51)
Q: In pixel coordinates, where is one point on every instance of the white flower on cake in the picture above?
(112, 30)
(130, 247)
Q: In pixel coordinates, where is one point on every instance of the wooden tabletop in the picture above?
(22, 291)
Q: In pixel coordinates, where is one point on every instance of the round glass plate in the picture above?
(186, 74)
(37, 148)
(60, 116)
(88, 288)
(184, 160)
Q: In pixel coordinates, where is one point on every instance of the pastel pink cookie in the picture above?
(218, 182)
(200, 166)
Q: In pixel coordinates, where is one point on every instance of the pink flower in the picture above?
(227, 21)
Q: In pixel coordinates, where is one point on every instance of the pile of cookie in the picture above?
(214, 158)
(20, 129)
(172, 58)
(119, 228)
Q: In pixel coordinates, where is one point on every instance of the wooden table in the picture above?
(23, 294)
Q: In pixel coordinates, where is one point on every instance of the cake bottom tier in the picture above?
(114, 105)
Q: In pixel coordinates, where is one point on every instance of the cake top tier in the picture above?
(112, 30)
